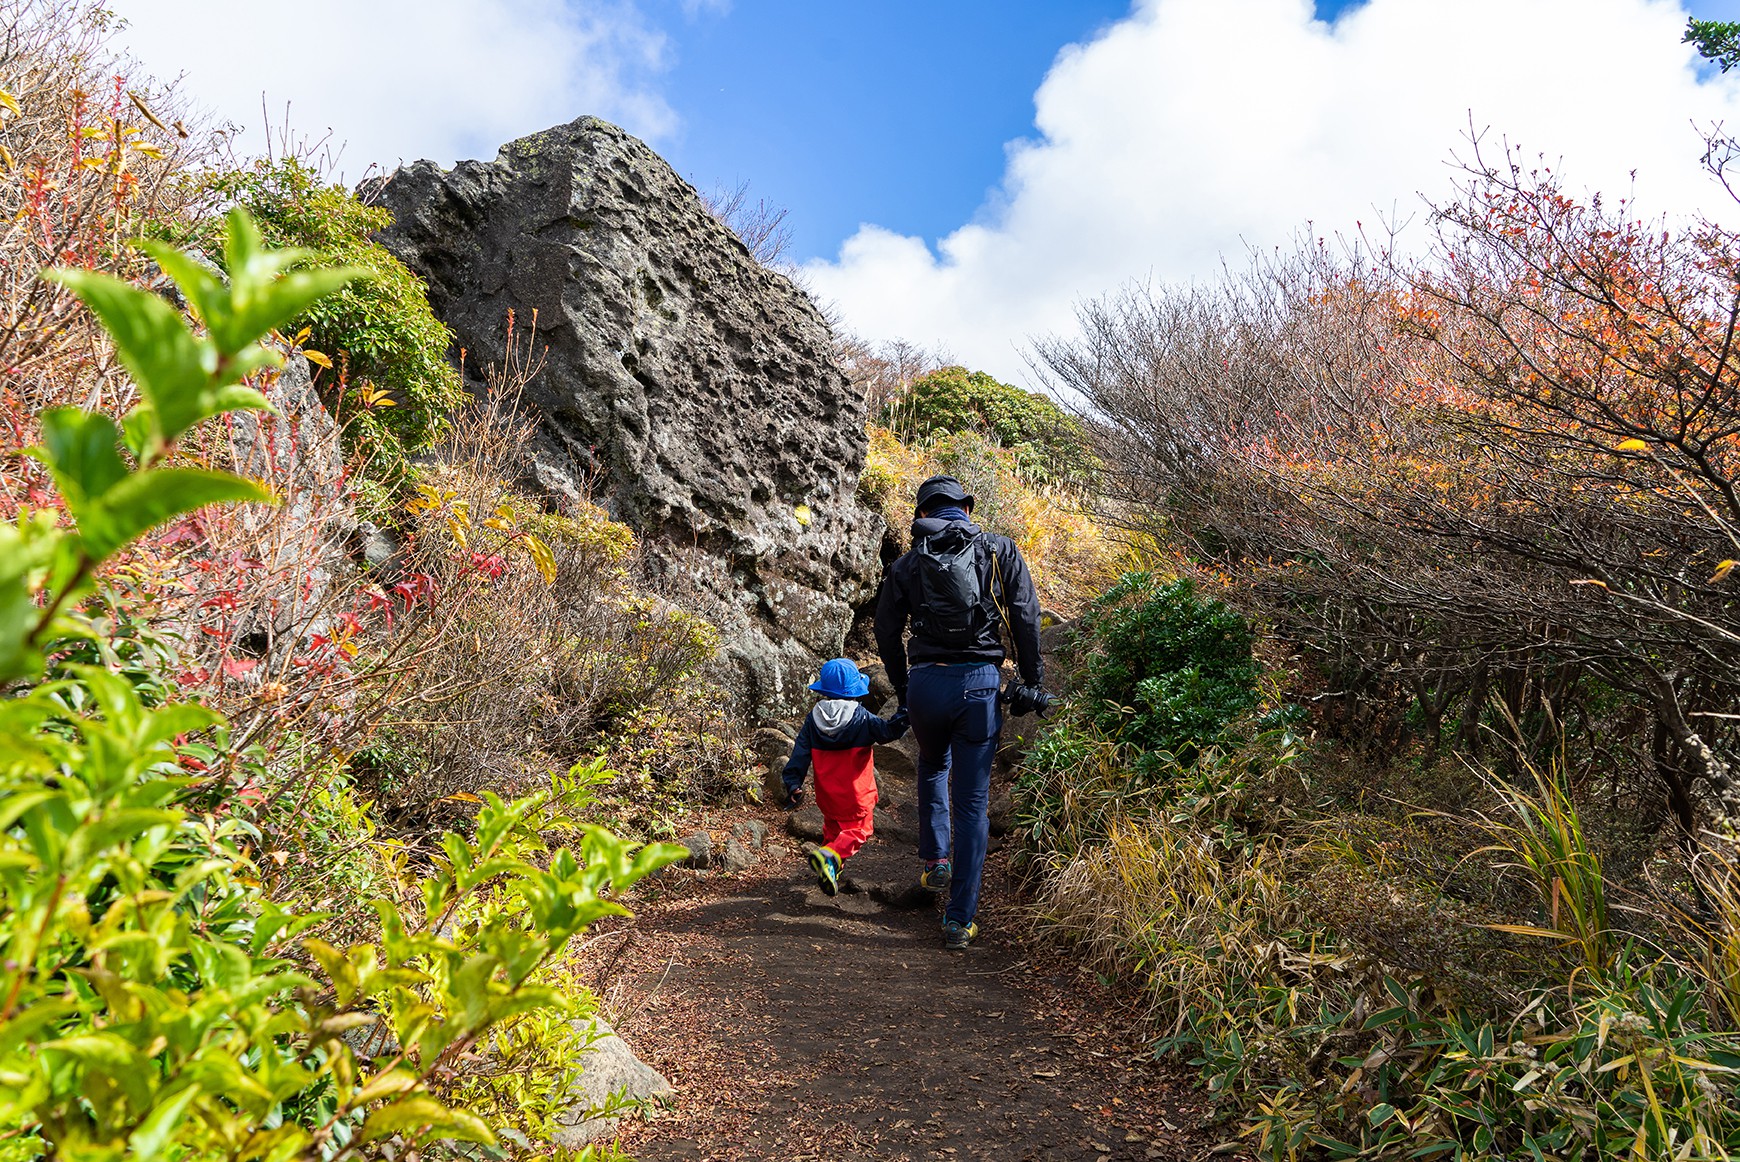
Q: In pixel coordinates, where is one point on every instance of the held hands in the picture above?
(794, 798)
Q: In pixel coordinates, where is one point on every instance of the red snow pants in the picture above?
(846, 795)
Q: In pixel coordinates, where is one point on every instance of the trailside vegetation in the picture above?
(1462, 884)
(154, 1002)
(1044, 443)
(386, 362)
(1025, 461)
(299, 811)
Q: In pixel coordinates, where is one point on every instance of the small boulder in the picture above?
(771, 746)
(895, 764)
(1002, 814)
(700, 846)
(752, 833)
(881, 689)
(735, 858)
(609, 1069)
(1055, 637)
(805, 823)
(897, 823)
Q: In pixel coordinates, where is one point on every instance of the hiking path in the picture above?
(798, 1026)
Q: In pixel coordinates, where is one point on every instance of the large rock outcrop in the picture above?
(689, 389)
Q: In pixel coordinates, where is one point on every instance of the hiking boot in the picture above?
(826, 865)
(935, 876)
(957, 936)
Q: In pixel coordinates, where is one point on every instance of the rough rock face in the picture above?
(688, 388)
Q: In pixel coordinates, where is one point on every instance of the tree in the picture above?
(1718, 40)
(759, 224)
(1047, 443)
(1500, 484)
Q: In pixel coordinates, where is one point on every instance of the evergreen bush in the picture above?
(380, 334)
(1047, 444)
(1164, 669)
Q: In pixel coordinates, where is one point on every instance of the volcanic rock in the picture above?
(689, 389)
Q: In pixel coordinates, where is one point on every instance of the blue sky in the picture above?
(963, 173)
(894, 112)
(852, 111)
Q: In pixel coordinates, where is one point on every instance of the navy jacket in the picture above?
(1012, 586)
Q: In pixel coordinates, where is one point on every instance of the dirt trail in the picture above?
(795, 1026)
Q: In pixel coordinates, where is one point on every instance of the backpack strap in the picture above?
(998, 597)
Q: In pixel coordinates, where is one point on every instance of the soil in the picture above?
(798, 1026)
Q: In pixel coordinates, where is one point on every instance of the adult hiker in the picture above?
(959, 587)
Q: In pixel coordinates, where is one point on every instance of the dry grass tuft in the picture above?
(1073, 556)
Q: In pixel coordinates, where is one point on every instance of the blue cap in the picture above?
(840, 679)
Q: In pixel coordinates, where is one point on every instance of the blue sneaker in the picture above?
(957, 936)
(826, 865)
(935, 876)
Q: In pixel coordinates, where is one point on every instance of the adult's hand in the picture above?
(1023, 700)
(794, 798)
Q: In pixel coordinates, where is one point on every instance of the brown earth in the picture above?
(795, 1026)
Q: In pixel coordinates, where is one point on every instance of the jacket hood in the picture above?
(924, 526)
(833, 715)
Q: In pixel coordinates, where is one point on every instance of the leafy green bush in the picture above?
(1163, 669)
(1047, 444)
(382, 328)
(153, 1004)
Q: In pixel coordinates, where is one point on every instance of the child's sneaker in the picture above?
(935, 876)
(826, 865)
(957, 936)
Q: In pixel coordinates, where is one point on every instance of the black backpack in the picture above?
(952, 609)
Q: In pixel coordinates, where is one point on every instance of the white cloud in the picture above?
(406, 79)
(1196, 128)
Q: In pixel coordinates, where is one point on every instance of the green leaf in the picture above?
(27, 549)
(238, 397)
(1386, 1017)
(147, 499)
(155, 345)
(204, 290)
(410, 1114)
(104, 1051)
(277, 303)
(82, 450)
(157, 1130)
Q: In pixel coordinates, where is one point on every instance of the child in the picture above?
(837, 737)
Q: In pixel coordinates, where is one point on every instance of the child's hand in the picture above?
(794, 798)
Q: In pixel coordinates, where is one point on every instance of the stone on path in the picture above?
(700, 846)
(894, 764)
(735, 858)
(609, 1068)
(805, 823)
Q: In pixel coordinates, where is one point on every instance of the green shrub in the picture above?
(1048, 445)
(153, 1003)
(1163, 669)
(382, 329)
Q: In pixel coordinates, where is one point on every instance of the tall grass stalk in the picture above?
(1541, 835)
(1717, 931)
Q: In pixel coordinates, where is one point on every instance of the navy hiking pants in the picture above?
(955, 720)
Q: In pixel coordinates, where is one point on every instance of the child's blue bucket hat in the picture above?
(840, 679)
